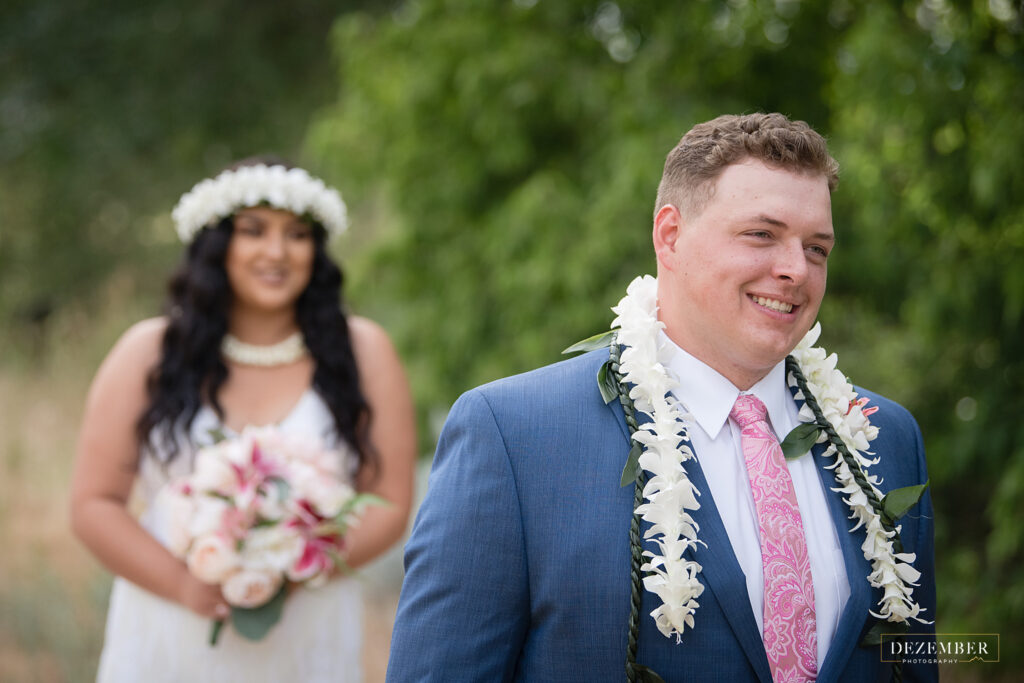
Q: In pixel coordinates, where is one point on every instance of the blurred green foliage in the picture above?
(508, 153)
(928, 122)
(109, 110)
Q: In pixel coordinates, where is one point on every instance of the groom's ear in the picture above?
(667, 226)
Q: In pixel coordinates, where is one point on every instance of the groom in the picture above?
(519, 564)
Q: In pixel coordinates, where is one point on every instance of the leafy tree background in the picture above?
(511, 155)
(500, 160)
(110, 110)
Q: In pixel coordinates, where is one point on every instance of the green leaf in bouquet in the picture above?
(263, 523)
(254, 622)
(365, 499)
(340, 565)
(283, 487)
(355, 505)
(217, 434)
(352, 508)
(896, 503)
(598, 341)
(215, 629)
(800, 440)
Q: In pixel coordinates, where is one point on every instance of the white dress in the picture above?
(319, 636)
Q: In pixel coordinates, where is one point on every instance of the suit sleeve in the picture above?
(924, 547)
(464, 608)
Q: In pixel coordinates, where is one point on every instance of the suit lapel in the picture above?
(855, 613)
(620, 419)
(720, 573)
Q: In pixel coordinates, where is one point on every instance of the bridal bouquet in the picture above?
(259, 511)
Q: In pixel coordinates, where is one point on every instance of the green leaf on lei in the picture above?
(632, 467)
(896, 503)
(873, 637)
(254, 622)
(606, 382)
(598, 341)
(800, 440)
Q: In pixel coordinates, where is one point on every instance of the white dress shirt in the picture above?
(709, 397)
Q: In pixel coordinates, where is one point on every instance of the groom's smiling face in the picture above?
(741, 281)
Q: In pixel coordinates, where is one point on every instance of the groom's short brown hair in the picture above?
(703, 153)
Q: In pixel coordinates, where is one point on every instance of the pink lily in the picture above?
(861, 402)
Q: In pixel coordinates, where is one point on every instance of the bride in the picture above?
(254, 334)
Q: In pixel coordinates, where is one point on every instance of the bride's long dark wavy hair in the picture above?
(191, 371)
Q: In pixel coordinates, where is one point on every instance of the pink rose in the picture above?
(207, 515)
(250, 587)
(212, 558)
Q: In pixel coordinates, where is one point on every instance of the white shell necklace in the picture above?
(282, 353)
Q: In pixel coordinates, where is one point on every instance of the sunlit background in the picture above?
(500, 160)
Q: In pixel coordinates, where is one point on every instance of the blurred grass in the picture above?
(53, 594)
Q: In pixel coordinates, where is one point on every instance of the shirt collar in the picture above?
(709, 396)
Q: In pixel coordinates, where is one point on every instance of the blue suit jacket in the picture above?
(518, 564)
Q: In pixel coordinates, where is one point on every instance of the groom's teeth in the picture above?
(779, 306)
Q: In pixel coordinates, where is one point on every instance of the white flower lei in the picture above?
(292, 189)
(669, 493)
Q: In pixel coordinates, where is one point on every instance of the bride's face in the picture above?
(269, 259)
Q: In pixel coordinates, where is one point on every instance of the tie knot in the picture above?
(748, 409)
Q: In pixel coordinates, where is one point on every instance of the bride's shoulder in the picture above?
(374, 353)
(368, 339)
(364, 331)
(139, 346)
(121, 377)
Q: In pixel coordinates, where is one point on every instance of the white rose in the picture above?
(251, 587)
(327, 496)
(213, 472)
(212, 558)
(271, 548)
(236, 451)
(207, 515)
(299, 448)
(269, 439)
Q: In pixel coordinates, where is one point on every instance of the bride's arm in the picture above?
(105, 469)
(393, 435)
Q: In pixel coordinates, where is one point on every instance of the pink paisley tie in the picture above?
(789, 636)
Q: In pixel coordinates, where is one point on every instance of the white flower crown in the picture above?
(292, 189)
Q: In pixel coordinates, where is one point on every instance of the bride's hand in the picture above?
(204, 599)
